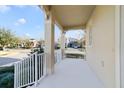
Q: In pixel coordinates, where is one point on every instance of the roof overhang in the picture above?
(69, 17)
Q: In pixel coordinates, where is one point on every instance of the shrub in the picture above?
(7, 77)
(7, 80)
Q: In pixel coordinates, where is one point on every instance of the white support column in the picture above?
(63, 44)
(119, 50)
(49, 43)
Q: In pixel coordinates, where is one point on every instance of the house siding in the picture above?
(101, 54)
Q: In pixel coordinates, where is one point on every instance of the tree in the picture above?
(6, 37)
(15, 42)
(27, 43)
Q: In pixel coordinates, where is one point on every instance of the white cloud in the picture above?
(20, 21)
(35, 6)
(20, 6)
(27, 34)
(4, 8)
(31, 6)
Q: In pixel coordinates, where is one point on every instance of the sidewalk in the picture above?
(2, 53)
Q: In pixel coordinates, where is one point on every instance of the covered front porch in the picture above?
(71, 73)
(99, 24)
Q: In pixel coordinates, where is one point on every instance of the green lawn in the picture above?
(7, 77)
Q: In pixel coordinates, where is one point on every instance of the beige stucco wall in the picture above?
(100, 55)
(122, 46)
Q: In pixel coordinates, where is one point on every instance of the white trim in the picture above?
(117, 46)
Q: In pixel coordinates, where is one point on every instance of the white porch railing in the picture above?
(58, 56)
(32, 69)
(29, 70)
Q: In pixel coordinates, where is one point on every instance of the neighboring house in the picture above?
(33, 42)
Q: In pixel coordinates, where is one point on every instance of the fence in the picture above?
(29, 70)
(58, 56)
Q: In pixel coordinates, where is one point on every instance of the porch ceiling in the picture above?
(72, 16)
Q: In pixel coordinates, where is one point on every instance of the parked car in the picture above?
(37, 49)
(76, 46)
(57, 46)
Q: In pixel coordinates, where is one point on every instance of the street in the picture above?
(18, 54)
(14, 56)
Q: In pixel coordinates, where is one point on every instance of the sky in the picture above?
(28, 21)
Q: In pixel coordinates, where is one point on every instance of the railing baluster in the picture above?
(15, 75)
(44, 62)
(42, 67)
(21, 75)
(39, 62)
(23, 72)
(30, 67)
(25, 62)
(36, 69)
(18, 73)
(28, 70)
(40, 74)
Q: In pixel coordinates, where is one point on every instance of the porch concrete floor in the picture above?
(71, 73)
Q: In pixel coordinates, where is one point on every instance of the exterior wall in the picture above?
(122, 46)
(101, 52)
